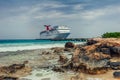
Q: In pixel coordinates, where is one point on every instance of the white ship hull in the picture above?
(55, 33)
(55, 36)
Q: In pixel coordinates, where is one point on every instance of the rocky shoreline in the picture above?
(96, 57)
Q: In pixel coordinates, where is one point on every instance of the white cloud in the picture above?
(90, 15)
(101, 12)
(83, 21)
(93, 14)
(78, 7)
(51, 14)
(53, 5)
(39, 11)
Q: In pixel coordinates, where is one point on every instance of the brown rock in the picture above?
(15, 69)
(68, 49)
(8, 78)
(63, 58)
(75, 59)
(69, 45)
(99, 56)
(58, 69)
(116, 74)
(76, 52)
(79, 76)
(45, 53)
(96, 71)
(57, 49)
(91, 41)
(115, 51)
(89, 49)
(93, 58)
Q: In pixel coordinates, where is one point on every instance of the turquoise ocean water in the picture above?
(15, 45)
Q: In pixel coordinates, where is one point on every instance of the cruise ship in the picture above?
(55, 32)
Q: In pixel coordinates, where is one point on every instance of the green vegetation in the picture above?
(111, 35)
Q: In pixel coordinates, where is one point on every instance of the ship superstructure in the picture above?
(56, 32)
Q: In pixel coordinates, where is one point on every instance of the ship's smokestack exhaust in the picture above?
(47, 27)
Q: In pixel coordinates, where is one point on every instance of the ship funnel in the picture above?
(47, 27)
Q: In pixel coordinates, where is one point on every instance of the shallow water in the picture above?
(42, 74)
(15, 45)
(47, 74)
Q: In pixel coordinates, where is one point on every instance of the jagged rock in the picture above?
(93, 57)
(104, 50)
(91, 41)
(116, 74)
(114, 65)
(80, 45)
(57, 50)
(45, 52)
(79, 76)
(75, 58)
(8, 78)
(98, 56)
(58, 69)
(115, 51)
(67, 65)
(15, 69)
(75, 63)
(69, 45)
(97, 70)
(89, 49)
(111, 40)
(62, 58)
(106, 46)
(93, 65)
(76, 52)
(68, 49)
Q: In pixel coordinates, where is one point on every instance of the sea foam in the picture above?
(28, 47)
(15, 45)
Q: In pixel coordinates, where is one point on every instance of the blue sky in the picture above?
(24, 19)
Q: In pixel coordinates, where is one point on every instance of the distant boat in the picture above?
(56, 32)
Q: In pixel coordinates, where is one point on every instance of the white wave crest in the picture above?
(29, 47)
